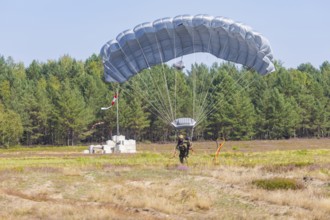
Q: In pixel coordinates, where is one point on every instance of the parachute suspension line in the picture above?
(165, 79)
(204, 105)
(213, 105)
(144, 94)
(175, 72)
(194, 76)
(155, 111)
(159, 94)
(175, 79)
(230, 98)
(156, 104)
(207, 83)
(202, 88)
(168, 93)
(133, 66)
(161, 115)
(143, 97)
(193, 72)
(204, 91)
(204, 96)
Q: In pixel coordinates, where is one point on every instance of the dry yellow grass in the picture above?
(154, 186)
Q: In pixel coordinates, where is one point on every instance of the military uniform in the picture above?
(181, 147)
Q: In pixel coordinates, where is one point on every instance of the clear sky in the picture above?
(298, 30)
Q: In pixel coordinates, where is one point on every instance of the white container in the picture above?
(118, 144)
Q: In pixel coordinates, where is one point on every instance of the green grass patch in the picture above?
(277, 183)
(301, 152)
(43, 149)
(235, 148)
(272, 161)
(325, 171)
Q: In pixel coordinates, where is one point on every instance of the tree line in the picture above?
(58, 102)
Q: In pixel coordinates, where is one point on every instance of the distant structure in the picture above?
(118, 144)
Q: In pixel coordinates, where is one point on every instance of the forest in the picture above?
(59, 102)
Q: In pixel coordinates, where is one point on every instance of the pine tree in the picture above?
(72, 114)
(11, 128)
(278, 116)
(139, 118)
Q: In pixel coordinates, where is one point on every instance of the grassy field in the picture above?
(251, 180)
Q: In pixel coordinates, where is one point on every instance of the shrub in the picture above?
(277, 183)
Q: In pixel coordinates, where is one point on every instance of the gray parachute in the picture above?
(183, 123)
(153, 43)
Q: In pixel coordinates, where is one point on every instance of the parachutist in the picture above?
(182, 147)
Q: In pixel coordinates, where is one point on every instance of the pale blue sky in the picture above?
(299, 31)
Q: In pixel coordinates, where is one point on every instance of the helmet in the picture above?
(181, 136)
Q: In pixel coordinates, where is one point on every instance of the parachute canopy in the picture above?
(184, 123)
(153, 43)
